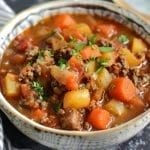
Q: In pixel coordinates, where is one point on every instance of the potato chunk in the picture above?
(84, 29)
(138, 46)
(115, 107)
(130, 59)
(103, 78)
(91, 67)
(77, 99)
(110, 56)
(11, 85)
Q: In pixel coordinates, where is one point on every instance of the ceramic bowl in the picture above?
(62, 139)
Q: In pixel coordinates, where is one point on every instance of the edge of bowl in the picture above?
(7, 107)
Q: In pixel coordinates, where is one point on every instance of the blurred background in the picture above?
(18, 5)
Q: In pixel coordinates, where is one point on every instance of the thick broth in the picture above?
(50, 111)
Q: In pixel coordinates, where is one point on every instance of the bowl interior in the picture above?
(33, 15)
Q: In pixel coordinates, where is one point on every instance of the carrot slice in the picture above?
(136, 101)
(37, 114)
(122, 89)
(72, 31)
(99, 118)
(63, 21)
(71, 82)
(89, 52)
(107, 30)
(76, 64)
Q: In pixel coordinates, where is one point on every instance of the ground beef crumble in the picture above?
(26, 74)
(71, 119)
(32, 53)
(119, 68)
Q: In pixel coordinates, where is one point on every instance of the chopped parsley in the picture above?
(41, 54)
(30, 63)
(57, 106)
(77, 46)
(102, 63)
(38, 89)
(74, 52)
(56, 33)
(106, 49)
(62, 63)
(99, 69)
(123, 39)
(92, 40)
(50, 53)
(92, 59)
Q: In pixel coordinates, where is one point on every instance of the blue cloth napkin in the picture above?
(5, 15)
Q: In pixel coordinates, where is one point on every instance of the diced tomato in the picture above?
(17, 59)
(72, 31)
(106, 30)
(3, 71)
(89, 52)
(63, 20)
(25, 90)
(37, 114)
(99, 118)
(22, 43)
(71, 82)
(45, 71)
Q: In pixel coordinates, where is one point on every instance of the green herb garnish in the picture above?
(62, 63)
(41, 54)
(106, 49)
(45, 96)
(92, 39)
(74, 52)
(57, 106)
(38, 89)
(77, 46)
(50, 53)
(57, 34)
(123, 39)
(30, 63)
(101, 63)
(92, 59)
(99, 69)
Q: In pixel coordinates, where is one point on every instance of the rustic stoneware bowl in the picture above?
(62, 139)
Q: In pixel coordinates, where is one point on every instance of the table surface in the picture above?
(139, 142)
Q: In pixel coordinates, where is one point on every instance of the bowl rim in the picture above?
(7, 107)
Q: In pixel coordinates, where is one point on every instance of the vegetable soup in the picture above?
(77, 72)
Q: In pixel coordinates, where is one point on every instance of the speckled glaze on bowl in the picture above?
(62, 139)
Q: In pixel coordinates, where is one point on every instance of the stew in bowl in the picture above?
(77, 72)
